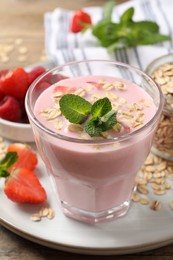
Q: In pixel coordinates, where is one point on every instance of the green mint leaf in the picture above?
(9, 159)
(108, 120)
(101, 107)
(151, 38)
(127, 15)
(93, 128)
(107, 10)
(145, 26)
(126, 33)
(107, 33)
(74, 108)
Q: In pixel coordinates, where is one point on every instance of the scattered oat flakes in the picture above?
(18, 41)
(144, 201)
(160, 192)
(80, 92)
(75, 128)
(142, 189)
(58, 124)
(36, 217)
(51, 213)
(43, 213)
(135, 197)
(108, 86)
(22, 58)
(22, 50)
(156, 205)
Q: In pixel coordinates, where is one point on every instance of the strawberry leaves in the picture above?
(9, 159)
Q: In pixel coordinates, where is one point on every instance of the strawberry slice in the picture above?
(23, 186)
(65, 90)
(14, 83)
(95, 84)
(27, 158)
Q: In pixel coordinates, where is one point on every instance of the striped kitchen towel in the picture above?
(64, 46)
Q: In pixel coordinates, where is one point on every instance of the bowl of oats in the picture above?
(161, 70)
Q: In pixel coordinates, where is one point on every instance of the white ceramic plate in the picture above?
(141, 229)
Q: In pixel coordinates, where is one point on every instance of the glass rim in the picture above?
(92, 141)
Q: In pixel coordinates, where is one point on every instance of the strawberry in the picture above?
(23, 186)
(2, 94)
(3, 72)
(27, 158)
(35, 73)
(10, 109)
(79, 20)
(14, 83)
(95, 84)
(65, 90)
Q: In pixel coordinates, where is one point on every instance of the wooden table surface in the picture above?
(21, 27)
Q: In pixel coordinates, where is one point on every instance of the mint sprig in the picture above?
(126, 32)
(74, 108)
(96, 118)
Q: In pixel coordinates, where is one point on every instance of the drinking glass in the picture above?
(94, 179)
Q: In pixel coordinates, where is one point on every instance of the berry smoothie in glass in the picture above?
(94, 123)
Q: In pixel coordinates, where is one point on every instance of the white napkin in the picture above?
(64, 46)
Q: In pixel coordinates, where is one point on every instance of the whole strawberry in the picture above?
(14, 83)
(79, 20)
(35, 73)
(21, 184)
(10, 109)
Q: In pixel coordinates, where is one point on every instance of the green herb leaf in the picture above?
(127, 15)
(126, 33)
(93, 128)
(107, 10)
(101, 107)
(108, 120)
(74, 108)
(9, 159)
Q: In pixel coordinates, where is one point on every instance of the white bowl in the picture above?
(19, 131)
(16, 131)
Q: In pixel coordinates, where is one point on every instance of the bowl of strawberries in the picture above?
(14, 124)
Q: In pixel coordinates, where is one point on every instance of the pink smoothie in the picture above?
(92, 176)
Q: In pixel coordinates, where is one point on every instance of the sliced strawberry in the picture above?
(27, 158)
(35, 73)
(65, 90)
(23, 186)
(95, 84)
(79, 20)
(14, 83)
(10, 109)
